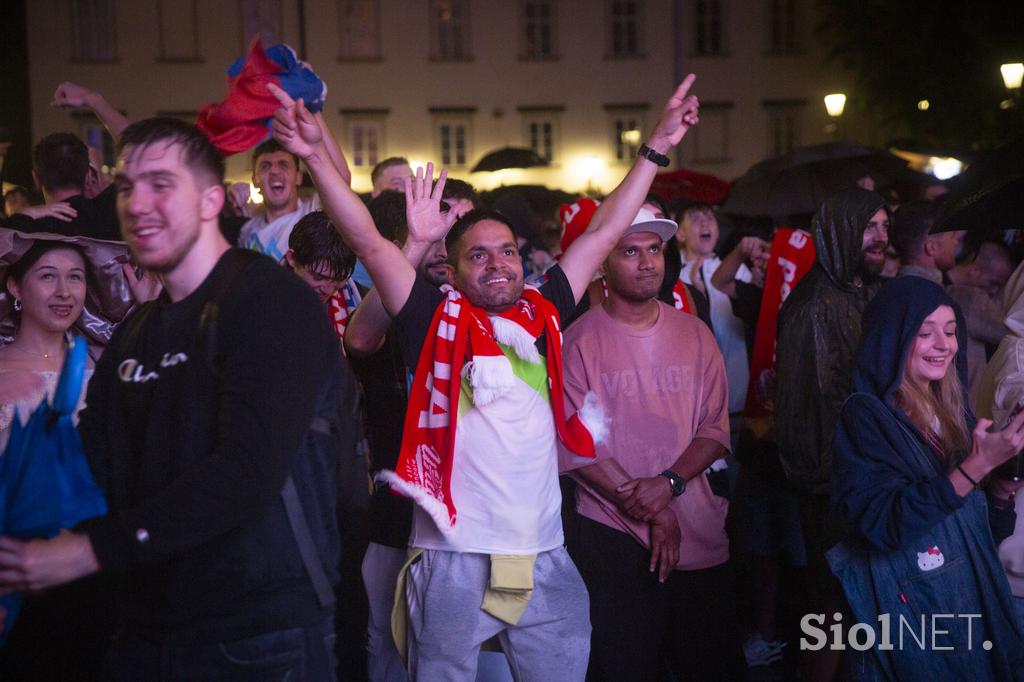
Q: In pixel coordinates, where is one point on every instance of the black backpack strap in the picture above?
(307, 548)
(236, 262)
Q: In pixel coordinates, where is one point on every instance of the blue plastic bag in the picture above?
(45, 480)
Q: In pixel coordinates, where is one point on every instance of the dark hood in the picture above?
(839, 232)
(890, 324)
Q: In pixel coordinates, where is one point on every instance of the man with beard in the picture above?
(213, 426)
(650, 538)
(818, 332)
(377, 360)
(486, 409)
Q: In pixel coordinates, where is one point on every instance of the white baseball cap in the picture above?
(646, 222)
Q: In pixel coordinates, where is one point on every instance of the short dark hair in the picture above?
(385, 164)
(388, 212)
(694, 207)
(315, 242)
(460, 189)
(269, 146)
(17, 271)
(196, 149)
(463, 225)
(61, 160)
(911, 226)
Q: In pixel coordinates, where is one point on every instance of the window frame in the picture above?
(376, 29)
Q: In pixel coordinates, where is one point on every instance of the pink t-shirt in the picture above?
(660, 388)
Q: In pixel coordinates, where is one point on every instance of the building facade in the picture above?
(580, 81)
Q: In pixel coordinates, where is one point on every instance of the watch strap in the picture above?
(652, 155)
(677, 482)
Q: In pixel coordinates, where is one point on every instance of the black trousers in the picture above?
(642, 628)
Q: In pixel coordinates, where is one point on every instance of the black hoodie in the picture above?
(818, 332)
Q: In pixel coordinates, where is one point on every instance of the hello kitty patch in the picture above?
(930, 560)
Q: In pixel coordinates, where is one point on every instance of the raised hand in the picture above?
(423, 206)
(294, 126)
(69, 94)
(678, 116)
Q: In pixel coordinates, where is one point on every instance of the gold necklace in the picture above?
(45, 356)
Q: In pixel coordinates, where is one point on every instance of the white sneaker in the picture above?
(759, 652)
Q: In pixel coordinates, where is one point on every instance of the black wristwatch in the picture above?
(652, 155)
(677, 482)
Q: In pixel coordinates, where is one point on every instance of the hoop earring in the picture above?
(17, 304)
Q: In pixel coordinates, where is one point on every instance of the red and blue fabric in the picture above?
(243, 119)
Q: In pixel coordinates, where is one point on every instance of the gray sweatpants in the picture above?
(447, 626)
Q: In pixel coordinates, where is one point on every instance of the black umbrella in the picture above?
(509, 157)
(989, 195)
(798, 181)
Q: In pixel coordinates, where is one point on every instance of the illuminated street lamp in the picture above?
(835, 103)
(1013, 75)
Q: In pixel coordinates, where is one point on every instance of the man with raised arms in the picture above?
(485, 409)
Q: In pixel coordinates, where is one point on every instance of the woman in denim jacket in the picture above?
(918, 564)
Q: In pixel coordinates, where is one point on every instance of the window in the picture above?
(540, 130)
(539, 29)
(364, 136)
(261, 17)
(359, 30)
(783, 125)
(94, 134)
(711, 137)
(628, 129)
(624, 33)
(453, 136)
(783, 27)
(709, 25)
(179, 30)
(93, 36)
(449, 30)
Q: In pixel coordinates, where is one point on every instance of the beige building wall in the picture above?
(743, 88)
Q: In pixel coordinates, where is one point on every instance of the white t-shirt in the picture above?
(271, 238)
(505, 473)
(728, 329)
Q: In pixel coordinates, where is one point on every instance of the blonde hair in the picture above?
(938, 403)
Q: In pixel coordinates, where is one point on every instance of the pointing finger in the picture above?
(283, 97)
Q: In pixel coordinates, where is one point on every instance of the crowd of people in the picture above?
(408, 436)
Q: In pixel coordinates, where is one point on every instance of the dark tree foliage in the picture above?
(945, 51)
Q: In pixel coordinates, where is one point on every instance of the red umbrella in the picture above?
(691, 186)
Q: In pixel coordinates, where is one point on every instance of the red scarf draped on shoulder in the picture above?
(791, 256)
(463, 341)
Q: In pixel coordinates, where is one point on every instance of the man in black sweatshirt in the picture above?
(210, 404)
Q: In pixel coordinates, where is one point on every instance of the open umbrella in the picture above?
(989, 195)
(509, 157)
(45, 481)
(798, 181)
(690, 186)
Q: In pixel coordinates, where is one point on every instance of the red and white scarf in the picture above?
(463, 342)
(341, 306)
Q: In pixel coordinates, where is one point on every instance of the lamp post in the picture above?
(835, 103)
